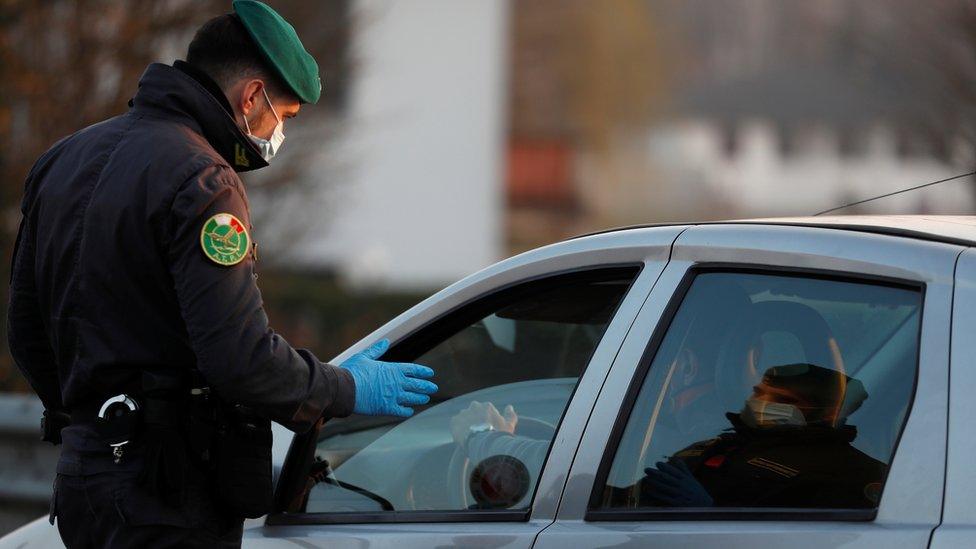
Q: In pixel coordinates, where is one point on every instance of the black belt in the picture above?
(155, 410)
(84, 414)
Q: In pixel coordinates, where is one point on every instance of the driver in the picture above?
(484, 432)
(789, 446)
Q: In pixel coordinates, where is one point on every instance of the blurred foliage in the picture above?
(311, 311)
(65, 65)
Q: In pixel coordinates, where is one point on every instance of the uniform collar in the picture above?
(204, 80)
(172, 91)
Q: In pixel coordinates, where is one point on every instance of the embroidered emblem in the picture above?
(224, 239)
(240, 157)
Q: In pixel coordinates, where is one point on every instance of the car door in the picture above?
(533, 337)
(782, 387)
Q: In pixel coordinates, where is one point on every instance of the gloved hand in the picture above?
(388, 388)
(674, 485)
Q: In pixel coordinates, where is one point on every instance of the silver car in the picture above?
(767, 383)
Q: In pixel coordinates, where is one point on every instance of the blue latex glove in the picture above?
(673, 484)
(388, 388)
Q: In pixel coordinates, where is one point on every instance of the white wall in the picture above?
(759, 181)
(422, 205)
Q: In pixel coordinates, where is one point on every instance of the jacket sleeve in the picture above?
(242, 359)
(26, 331)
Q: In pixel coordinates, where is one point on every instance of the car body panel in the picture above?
(958, 527)
(911, 504)
(401, 535)
(37, 534)
(728, 535)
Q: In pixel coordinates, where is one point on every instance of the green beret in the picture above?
(280, 45)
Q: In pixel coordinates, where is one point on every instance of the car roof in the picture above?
(952, 229)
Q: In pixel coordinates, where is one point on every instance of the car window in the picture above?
(506, 366)
(770, 391)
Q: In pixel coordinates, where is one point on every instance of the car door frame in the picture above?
(912, 498)
(648, 248)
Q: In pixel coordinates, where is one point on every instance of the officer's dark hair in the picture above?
(224, 50)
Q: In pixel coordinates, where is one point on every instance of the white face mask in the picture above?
(267, 147)
(761, 413)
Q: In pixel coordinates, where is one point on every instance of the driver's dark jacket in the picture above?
(810, 467)
(109, 277)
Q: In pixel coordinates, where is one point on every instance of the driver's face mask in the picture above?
(761, 413)
(267, 147)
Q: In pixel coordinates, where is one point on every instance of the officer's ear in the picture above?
(250, 95)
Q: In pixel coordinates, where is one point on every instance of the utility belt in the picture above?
(180, 423)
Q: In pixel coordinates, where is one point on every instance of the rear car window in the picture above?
(506, 366)
(770, 391)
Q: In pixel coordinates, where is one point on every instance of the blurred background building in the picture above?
(630, 112)
(453, 133)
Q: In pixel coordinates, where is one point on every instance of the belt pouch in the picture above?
(164, 472)
(242, 461)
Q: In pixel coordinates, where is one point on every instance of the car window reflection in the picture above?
(771, 391)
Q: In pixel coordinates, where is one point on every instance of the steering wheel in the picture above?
(423, 482)
(459, 466)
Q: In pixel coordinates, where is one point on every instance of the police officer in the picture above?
(136, 254)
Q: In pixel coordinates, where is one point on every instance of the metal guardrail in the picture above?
(27, 465)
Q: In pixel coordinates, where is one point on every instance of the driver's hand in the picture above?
(479, 413)
(674, 485)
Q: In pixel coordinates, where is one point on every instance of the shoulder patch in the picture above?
(240, 157)
(224, 239)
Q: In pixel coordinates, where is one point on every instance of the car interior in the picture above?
(526, 349)
(731, 328)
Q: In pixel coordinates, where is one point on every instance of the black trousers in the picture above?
(111, 510)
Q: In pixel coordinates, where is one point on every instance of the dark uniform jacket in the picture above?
(110, 278)
(811, 467)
